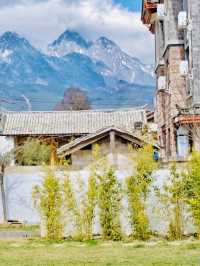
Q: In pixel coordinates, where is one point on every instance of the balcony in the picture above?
(149, 13)
(188, 116)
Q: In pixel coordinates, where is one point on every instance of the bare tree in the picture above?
(74, 99)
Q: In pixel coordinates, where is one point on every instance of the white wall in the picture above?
(1, 207)
(6, 144)
(21, 180)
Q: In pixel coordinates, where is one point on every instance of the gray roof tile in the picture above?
(69, 122)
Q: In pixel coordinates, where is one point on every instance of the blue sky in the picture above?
(130, 4)
(42, 21)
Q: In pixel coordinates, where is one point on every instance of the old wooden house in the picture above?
(72, 134)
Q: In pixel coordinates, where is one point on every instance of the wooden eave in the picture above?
(82, 142)
(147, 11)
(188, 119)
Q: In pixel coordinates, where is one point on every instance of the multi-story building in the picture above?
(176, 25)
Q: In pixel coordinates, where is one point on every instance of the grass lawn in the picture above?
(35, 252)
(28, 228)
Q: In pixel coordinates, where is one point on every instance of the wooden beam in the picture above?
(112, 135)
(112, 140)
(80, 146)
(53, 152)
(134, 140)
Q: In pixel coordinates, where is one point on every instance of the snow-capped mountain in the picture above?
(21, 62)
(121, 65)
(68, 42)
(73, 61)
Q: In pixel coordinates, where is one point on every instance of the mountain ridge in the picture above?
(123, 66)
(24, 70)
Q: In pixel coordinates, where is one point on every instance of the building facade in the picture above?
(176, 26)
(73, 134)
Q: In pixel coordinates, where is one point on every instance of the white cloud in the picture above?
(41, 21)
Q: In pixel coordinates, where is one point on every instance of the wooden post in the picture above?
(53, 151)
(113, 148)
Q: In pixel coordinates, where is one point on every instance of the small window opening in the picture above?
(68, 158)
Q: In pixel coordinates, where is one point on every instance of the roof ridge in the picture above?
(78, 111)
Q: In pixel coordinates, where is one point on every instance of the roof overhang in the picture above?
(188, 119)
(188, 116)
(84, 141)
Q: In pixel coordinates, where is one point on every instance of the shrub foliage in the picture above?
(172, 197)
(110, 204)
(103, 192)
(137, 190)
(48, 198)
(192, 188)
(33, 152)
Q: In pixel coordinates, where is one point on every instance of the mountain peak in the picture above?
(10, 36)
(102, 69)
(105, 42)
(71, 36)
(11, 39)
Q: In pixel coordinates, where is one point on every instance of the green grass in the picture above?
(97, 253)
(29, 228)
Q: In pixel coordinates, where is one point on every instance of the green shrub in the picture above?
(192, 188)
(176, 198)
(48, 199)
(90, 204)
(137, 190)
(110, 204)
(33, 152)
(138, 218)
(172, 198)
(72, 209)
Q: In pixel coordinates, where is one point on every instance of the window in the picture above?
(138, 125)
(68, 158)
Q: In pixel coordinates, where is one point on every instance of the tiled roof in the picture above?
(69, 122)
